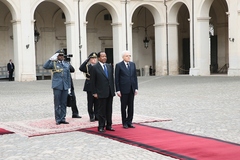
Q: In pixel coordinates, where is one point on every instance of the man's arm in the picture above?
(117, 76)
(48, 65)
(83, 66)
(93, 81)
(71, 68)
(135, 78)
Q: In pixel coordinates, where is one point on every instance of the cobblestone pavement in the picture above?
(206, 106)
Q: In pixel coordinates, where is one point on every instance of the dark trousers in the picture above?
(60, 102)
(127, 108)
(105, 112)
(10, 78)
(92, 105)
(74, 104)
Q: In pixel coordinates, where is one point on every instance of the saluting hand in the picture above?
(54, 57)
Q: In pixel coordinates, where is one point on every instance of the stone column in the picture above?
(17, 49)
(173, 48)
(24, 48)
(160, 47)
(118, 44)
(202, 48)
(234, 47)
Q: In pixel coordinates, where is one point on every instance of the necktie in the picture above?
(128, 66)
(105, 70)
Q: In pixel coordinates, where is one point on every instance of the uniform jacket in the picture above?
(100, 84)
(86, 68)
(60, 80)
(126, 80)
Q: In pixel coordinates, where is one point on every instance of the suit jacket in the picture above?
(100, 84)
(60, 80)
(10, 67)
(86, 68)
(126, 79)
(72, 70)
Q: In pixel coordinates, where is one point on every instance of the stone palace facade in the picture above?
(193, 37)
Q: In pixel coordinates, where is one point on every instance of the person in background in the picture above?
(10, 68)
(102, 88)
(126, 84)
(72, 102)
(92, 103)
(61, 85)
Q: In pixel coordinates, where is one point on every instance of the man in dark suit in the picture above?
(61, 84)
(10, 67)
(103, 89)
(92, 102)
(126, 87)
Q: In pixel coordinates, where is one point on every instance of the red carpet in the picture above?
(174, 144)
(3, 131)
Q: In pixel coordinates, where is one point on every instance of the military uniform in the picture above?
(91, 101)
(61, 82)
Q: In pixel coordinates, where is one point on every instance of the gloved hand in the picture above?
(54, 57)
(88, 59)
(69, 90)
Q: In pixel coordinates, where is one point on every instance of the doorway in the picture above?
(109, 52)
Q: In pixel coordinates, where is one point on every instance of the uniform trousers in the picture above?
(60, 102)
(74, 104)
(92, 103)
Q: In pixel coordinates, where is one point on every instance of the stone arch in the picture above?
(109, 6)
(64, 6)
(158, 15)
(13, 9)
(174, 9)
(146, 22)
(103, 33)
(205, 7)
(179, 36)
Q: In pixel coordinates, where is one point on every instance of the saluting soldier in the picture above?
(61, 84)
(92, 102)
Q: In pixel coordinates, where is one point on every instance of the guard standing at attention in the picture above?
(91, 101)
(61, 84)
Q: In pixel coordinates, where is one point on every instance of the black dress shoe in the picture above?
(92, 120)
(130, 126)
(110, 129)
(101, 130)
(125, 126)
(76, 116)
(57, 123)
(64, 122)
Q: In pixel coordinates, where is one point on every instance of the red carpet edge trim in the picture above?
(192, 135)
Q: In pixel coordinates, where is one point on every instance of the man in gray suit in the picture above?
(61, 84)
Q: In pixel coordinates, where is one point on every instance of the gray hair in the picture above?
(124, 52)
